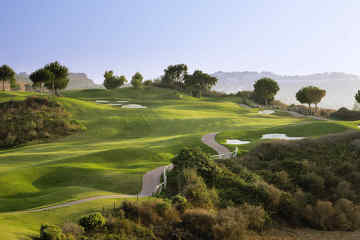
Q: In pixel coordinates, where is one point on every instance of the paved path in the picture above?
(209, 139)
(149, 186)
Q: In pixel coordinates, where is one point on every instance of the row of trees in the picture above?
(265, 90)
(176, 76)
(53, 76)
(112, 81)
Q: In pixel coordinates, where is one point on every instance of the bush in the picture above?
(180, 203)
(92, 221)
(199, 222)
(345, 114)
(231, 224)
(34, 119)
(51, 232)
(195, 190)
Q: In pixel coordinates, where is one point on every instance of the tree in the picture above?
(199, 82)
(60, 80)
(357, 97)
(6, 74)
(40, 77)
(265, 90)
(111, 81)
(310, 95)
(136, 80)
(175, 76)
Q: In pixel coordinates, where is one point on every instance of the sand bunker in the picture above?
(133, 106)
(123, 101)
(115, 104)
(280, 136)
(267, 112)
(236, 142)
(101, 101)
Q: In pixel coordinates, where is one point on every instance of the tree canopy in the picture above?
(60, 80)
(112, 81)
(174, 76)
(136, 80)
(357, 97)
(265, 90)
(310, 95)
(41, 76)
(7, 74)
(199, 82)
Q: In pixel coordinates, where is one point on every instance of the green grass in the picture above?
(120, 145)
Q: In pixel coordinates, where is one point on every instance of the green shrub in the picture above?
(35, 118)
(345, 114)
(51, 232)
(180, 203)
(199, 222)
(92, 221)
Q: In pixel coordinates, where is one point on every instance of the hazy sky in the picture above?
(91, 36)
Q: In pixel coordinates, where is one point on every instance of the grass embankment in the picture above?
(120, 145)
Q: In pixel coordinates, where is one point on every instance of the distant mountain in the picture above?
(340, 87)
(77, 81)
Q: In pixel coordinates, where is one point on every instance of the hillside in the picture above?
(77, 81)
(120, 145)
(340, 87)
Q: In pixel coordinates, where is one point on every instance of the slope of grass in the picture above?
(120, 145)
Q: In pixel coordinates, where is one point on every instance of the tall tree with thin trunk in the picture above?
(41, 76)
(136, 80)
(199, 82)
(357, 97)
(310, 95)
(174, 76)
(60, 80)
(7, 74)
(265, 90)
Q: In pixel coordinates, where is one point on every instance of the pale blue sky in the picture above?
(91, 36)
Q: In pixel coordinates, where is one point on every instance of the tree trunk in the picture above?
(53, 86)
(310, 108)
(3, 85)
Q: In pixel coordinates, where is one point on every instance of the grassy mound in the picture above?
(33, 119)
(345, 114)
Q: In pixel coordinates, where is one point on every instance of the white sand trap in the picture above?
(267, 112)
(280, 136)
(122, 101)
(114, 104)
(236, 142)
(133, 106)
(101, 101)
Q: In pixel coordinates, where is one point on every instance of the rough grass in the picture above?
(120, 145)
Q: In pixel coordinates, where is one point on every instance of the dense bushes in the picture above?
(345, 114)
(33, 119)
(160, 220)
(318, 175)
